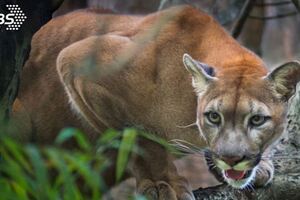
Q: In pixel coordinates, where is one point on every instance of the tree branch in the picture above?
(297, 4)
(238, 26)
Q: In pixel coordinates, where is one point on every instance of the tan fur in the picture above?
(122, 70)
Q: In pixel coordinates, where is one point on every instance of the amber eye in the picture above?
(213, 117)
(258, 120)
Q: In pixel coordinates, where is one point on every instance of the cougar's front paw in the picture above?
(264, 173)
(161, 190)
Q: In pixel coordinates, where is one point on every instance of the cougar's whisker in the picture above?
(246, 188)
(259, 171)
(188, 126)
(187, 144)
(187, 150)
(251, 187)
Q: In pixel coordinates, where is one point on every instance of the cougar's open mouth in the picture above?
(238, 176)
(239, 179)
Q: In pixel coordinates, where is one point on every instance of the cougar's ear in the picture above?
(202, 74)
(285, 78)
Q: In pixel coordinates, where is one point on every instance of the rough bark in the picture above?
(15, 47)
(286, 183)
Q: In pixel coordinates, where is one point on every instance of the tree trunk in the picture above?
(247, 38)
(15, 46)
(286, 183)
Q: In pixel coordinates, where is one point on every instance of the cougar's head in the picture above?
(241, 115)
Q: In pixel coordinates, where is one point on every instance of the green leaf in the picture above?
(91, 177)
(65, 179)
(109, 136)
(6, 190)
(127, 144)
(21, 192)
(156, 139)
(68, 133)
(17, 152)
(12, 170)
(40, 171)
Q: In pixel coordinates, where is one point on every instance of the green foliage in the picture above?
(31, 172)
(126, 147)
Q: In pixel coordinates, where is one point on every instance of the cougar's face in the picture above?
(240, 114)
(239, 124)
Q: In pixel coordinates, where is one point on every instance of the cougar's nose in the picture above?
(232, 160)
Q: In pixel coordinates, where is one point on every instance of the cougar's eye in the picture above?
(258, 120)
(213, 117)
